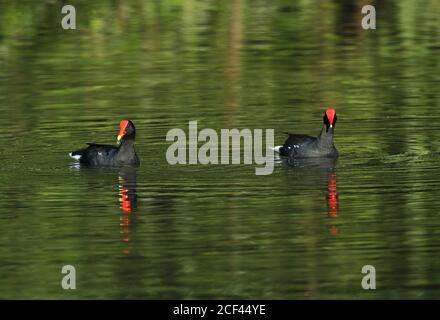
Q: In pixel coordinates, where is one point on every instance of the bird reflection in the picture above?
(127, 202)
(327, 166)
(332, 199)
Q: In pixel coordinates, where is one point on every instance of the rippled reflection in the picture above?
(322, 168)
(332, 199)
(127, 202)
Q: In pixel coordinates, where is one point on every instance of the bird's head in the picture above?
(126, 130)
(330, 118)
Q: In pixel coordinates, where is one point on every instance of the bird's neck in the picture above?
(126, 143)
(325, 138)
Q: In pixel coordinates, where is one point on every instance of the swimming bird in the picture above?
(110, 155)
(304, 146)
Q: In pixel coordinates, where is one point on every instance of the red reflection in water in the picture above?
(332, 195)
(125, 206)
(127, 202)
(332, 200)
(333, 230)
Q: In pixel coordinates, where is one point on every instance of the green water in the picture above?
(220, 231)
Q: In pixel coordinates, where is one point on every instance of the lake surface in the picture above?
(220, 231)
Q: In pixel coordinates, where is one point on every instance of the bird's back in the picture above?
(96, 154)
(298, 139)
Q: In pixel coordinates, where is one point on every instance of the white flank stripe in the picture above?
(277, 149)
(76, 157)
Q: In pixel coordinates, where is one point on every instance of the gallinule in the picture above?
(303, 146)
(110, 155)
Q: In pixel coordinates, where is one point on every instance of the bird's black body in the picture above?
(304, 146)
(110, 155)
